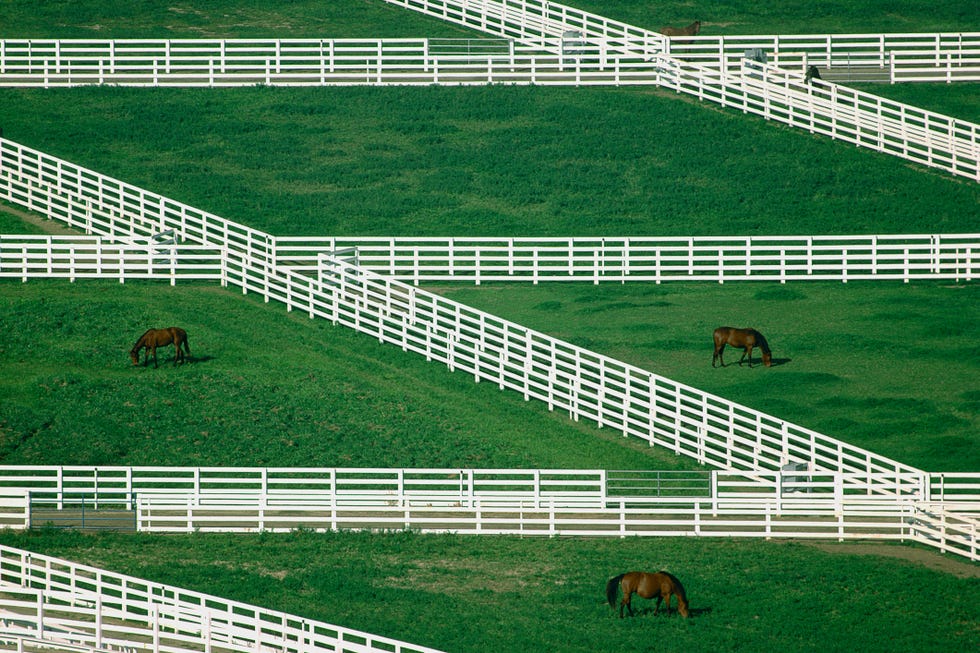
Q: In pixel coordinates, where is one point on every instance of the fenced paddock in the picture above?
(45, 599)
(614, 395)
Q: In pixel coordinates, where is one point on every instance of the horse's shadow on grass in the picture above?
(776, 362)
(673, 613)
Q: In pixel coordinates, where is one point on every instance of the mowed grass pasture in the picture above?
(266, 387)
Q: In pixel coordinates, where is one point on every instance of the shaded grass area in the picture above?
(793, 16)
(483, 161)
(508, 594)
(264, 388)
(117, 19)
(374, 18)
(885, 366)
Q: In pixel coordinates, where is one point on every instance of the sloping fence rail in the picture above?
(621, 259)
(820, 107)
(611, 393)
(50, 599)
(908, 57)
(913, 57)
(530, 20)
(929, 139)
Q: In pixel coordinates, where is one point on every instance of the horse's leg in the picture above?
(719, 354)
(656, 609)
(748, 352)
(626, 602)
(154, 350)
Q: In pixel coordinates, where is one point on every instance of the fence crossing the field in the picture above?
(528, 502)
(540, 51)
(64, 604)
(587, 385)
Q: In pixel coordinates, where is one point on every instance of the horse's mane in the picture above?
(679, 589)
(761, 339)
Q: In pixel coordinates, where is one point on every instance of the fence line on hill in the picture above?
(906, 57)
(636, 402)
(863, 119)
(866, 120)
(95, 257)
(620, 259)
(911, 57)
(557, 59)
(52, 599)
(313, 62)
(787, 503)
(829, 109)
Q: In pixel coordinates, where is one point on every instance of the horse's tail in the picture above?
(187, 343)
(612, 589)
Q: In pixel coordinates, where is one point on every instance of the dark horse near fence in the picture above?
(691, 30)
(660, 585)
(745, 339)
(154, 338)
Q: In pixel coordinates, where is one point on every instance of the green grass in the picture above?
(145, 19)
(286, 390)
(484, 161)
(265, 388)
(492, 594)
(885, 366)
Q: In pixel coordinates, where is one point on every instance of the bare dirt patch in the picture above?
(931, 559)
(51, 227)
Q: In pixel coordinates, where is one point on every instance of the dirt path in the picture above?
(51, 227)
(945, 563)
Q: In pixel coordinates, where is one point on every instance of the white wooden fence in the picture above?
(59, 601)
(825, 108)
(303, 62)
(903, 258)
(95, 257)
(863, 119)
(913, 57)
(788, 503)
(614, 394)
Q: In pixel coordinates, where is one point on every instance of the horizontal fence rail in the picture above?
(213, 63)
(54, 599)
(567, 58)
(613, 394)
(107, 487)
(786, 503)
(620, 259)
(863, 119)
(911, 57)
(94, 257)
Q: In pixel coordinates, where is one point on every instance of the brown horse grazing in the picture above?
(691, 30)
(154, 338)
(744, 339)
(660, 585)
